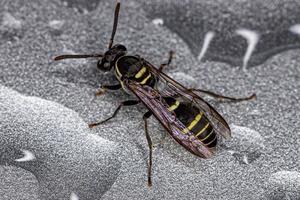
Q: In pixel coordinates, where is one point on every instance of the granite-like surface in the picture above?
(55, 145)
(271, 21)
(284, 185)
(265, 133)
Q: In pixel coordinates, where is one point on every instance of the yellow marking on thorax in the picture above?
(141, 72)
(174, 106)
(119, 75)
(145, 79)
(203, 131)
(118, 72)
(193, 123)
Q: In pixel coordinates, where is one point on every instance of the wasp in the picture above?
(188, 118)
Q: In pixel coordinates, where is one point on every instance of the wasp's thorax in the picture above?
(111, 56)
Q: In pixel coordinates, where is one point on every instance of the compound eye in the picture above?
(120, 47)
(103, 65)
(109, 57)
(106, 65)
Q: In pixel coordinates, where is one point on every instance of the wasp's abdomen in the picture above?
(194, 120)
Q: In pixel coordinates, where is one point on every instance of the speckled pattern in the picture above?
(66, 157)
(192, 19)
(261, 161)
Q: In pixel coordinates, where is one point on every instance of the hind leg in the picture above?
(163, 65)
(221, 97)
(124, 103)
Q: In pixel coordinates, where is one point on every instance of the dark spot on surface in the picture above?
(56, 32)
(9, 35)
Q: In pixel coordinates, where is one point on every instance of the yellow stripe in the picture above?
(141, 72)
(212, 141)
(193, 123)
(202, 132)
(146, 79)
(174, 106)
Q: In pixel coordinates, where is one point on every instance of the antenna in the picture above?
(69, 56)
(117, 9)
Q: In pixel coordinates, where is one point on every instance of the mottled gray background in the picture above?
(45, 106)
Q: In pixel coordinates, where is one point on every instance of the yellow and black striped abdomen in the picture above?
(204, 131)
(194, 121)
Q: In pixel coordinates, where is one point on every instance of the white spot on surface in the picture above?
(85, 11)
(158, 21)
(10, 21)
(252, 38)
(295, 29)
(56, 24)
(248, 137)
(207, 39)
(246, 145)
(231, 152)
(284, 185)
(65, 3)
(74, 196)
(28, 156)
(242, 157)
(245, 159)
(255, 112)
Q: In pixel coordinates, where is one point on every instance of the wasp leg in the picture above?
(124, 103)
(162, 66)
(108, 87)
(221, 97)
(117, 10)
(145, 117)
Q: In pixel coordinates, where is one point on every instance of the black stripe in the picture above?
(200, 125)
(186, 113)
(151, 81)
(214, 143)
(209, 138)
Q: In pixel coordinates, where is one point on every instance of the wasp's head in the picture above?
(111, 56)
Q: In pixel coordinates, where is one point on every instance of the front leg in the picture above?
(124, 103)
(108, 87)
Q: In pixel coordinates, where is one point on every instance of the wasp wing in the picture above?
(152, 99)
(170, 87)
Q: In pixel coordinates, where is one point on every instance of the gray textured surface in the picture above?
(266, 132)
(192, 19)
(284, 185)
(67, 158)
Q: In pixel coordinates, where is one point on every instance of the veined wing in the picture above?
(153, 100)
(173, 88)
